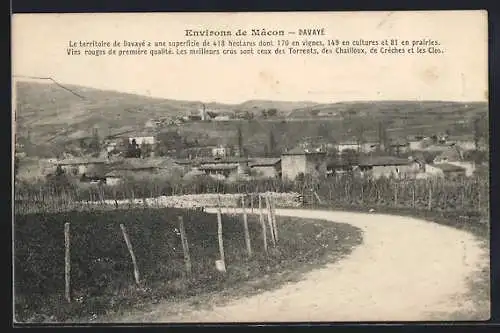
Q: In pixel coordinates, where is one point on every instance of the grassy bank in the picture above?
(102, 272)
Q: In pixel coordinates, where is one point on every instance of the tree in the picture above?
(240, 140)
(382, 137)
(167, 141)
(95, 143)
(323, 130)
(16, 166)
(350, 156)
(146, 149)
(272, 144)
(360, 134)
(133, 150)
(477, 133)
(272, 112)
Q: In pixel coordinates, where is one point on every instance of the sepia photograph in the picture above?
(250, 167)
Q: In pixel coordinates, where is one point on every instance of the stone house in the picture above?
(80, 166)
(302, 161)
(266, 167)
(389, 166)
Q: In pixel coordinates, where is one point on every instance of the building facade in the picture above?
(143, 140)
(266, 167)
(298, 161)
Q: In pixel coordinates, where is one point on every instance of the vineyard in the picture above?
(102, 273)
(468, 195)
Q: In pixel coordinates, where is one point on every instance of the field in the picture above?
(102, 279)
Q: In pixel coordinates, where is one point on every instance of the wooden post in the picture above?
(270, 220)
(263, 224)
(251, 202)
(462, 195)
(275, 224)
(429, 206)
(219, 234)
(67, 263)
(185, 246)
(395, 195)
(413, 195)
(317, 197)
(131, 251)
(245, 227)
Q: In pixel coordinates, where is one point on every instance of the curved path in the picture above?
(406, 269)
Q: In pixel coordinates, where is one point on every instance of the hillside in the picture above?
(49, 115)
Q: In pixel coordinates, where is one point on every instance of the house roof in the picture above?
(438, 147)
(446, 167)
(81, 161)
(226, 160)
(451, 154)
(301, 151)
(115, 173)
(383, 161)
(193, 173)
(338, 164)
(264, 161)
(399, 142)
(184, 162)
(141, 163)
(218, 167)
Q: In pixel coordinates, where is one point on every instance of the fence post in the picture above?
(429, 206)
(131, 251)
(275, 224)
(251, 202)
(413, 195)
(67, 263)
(362, 191)
(478, 189)
(462, 196)
(245, 227)
(270, 219)
(262, 223)
(219, 235)
(185, 246)
(395, 194)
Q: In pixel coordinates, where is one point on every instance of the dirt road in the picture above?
(405, 270)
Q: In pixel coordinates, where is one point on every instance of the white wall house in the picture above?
(347, 146)
(143, 140)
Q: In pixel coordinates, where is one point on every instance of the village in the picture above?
(132, 156)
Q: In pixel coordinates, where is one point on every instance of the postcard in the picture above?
(250, 167)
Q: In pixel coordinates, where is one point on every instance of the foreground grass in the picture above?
(106, 290)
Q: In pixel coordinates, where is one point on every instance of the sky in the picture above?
(40, 42)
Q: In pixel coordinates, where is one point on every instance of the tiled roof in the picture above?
(225, 160)
(446, 167)
(264, 161)
(218, 167)
(81, 160)
(383, 160)
(301, 151)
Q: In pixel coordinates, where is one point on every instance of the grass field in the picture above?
(102, 272)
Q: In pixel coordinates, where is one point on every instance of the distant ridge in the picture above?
(47, 113)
